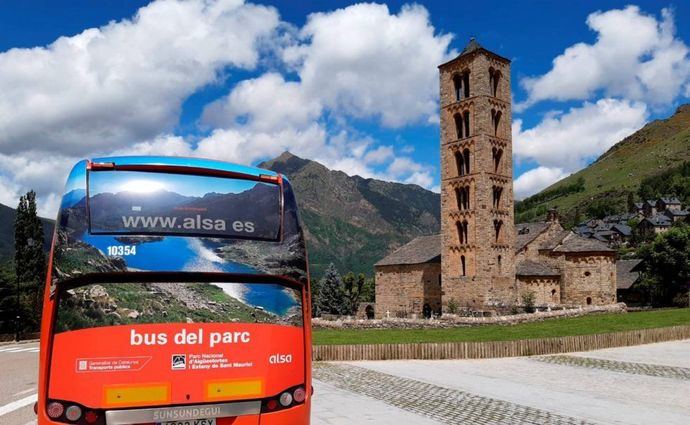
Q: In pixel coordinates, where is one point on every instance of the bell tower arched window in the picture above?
(494, 78)
(460, 163)
(466, 119)
(459, 126)
(463, 265)
(462, 231)
(466, 157)
(462, 197)
(466, 83)
(495, 120)
(498, 224)
(457, 86)
(497, 192)
(496, 153)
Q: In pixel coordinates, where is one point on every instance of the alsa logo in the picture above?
(280, 359)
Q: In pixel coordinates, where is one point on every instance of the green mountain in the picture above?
(603, 186)
(7, 216)
(353, 222)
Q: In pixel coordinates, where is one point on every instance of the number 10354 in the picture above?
(122, 250)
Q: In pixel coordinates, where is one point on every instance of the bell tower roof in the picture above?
(472, 47)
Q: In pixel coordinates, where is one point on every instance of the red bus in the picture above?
(177, 294)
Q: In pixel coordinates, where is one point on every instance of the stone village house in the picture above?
(481, 260)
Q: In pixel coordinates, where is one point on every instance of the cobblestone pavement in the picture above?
(432, 401)
(618, 366)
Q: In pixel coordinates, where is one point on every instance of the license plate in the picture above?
(190, 422)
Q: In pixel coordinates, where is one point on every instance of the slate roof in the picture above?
(623, 229)
(676, 213)
(424, 249)
(625, 276)
(472, 46)
(575, 243)
(554, 240)
(527, 232)
(659, 220)
(670, 200)
(533, 268)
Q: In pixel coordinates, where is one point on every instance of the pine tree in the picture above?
(29, 260)
(631, 202)
(331, 298)
(7, 304)
(353, 290)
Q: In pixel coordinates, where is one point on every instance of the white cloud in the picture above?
(379, 155)
(351, 62)
(267, 103)
(536, 179)
(420, 178)
(164, 144)
(569, 140)
(364, 61)
(635, 56)
(118, 90)
(124, 82)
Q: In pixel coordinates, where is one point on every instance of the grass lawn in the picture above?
(584, 325)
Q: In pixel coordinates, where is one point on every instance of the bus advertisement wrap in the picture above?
(176, 285)
(160, 364)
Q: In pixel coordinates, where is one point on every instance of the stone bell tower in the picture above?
(477, 227)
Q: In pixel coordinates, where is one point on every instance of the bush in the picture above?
(452, 307)
(528, 300)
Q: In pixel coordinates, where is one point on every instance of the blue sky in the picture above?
(352, 86)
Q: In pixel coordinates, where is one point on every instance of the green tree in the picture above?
(29, 261)
(667, 265)
(331, 298)
(353, 286)
(368, 294)
(631, 202)
(7, 303)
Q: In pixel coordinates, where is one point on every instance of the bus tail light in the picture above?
(55, 410)
(91, 417)
(288, 398)
(73, 413)
(299, 394)
(285, 399)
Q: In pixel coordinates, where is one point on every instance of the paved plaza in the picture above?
(632, 385)
(647, 384)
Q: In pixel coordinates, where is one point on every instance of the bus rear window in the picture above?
(136, 202)
(135, 303)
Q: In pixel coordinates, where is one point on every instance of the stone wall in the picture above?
(588, 279)
(453, 321)
(402, 290)
(547, 290)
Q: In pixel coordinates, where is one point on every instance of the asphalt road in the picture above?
(18, 378)
(632, 385)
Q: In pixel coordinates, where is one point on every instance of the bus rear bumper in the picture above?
(297, 415)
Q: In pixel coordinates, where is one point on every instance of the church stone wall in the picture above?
(588, 279)
(402, 290)
(547, 290)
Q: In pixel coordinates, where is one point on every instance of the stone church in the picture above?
(482, 260)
